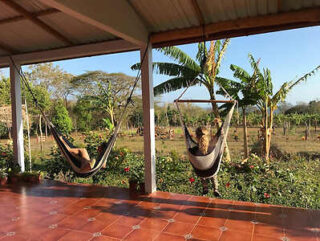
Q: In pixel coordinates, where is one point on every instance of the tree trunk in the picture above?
(285, 126)
(307, 131)
(40, 130)
(269, 132)
(66, 101)
(266, 142)
(245, 133)
(28, 129)
(9, 133)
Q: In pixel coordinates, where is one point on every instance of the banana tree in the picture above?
(268, 101)
(244, 92)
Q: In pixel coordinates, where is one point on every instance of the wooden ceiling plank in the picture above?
(70, 52)
(198, 12)
(36, 21)
(7, 48)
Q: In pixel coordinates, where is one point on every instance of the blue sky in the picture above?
(288, 54)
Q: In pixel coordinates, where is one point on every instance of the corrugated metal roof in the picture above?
(78, 32)
(6, 12)
(157, 15)
(31, 5)
(177, 14)
(24, 36)
(166, 14)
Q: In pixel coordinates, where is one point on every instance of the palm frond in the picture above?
(255, 66)
(305, 77)
(175, 84)
(268, 81)
(136, 66)
(220, 55)
(180, 56)
(240, 73)
(173, 69)
(202, 54)
(287, 86)
(211, 60)
(232, 87)
(170, 69)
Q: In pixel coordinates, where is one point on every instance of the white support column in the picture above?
(148, 119)
(17, 123)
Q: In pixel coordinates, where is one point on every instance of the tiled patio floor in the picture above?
(57, 211)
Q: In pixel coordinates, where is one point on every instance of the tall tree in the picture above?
(53, 78)
(104, 91)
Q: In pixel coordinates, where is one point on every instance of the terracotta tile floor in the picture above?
(58, 211)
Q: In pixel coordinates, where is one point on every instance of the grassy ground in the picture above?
(292, 143)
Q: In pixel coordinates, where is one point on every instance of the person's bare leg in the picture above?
(204, 182)
(215, 184)
(86, 162)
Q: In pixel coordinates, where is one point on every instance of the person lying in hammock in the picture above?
(204, 143)
(82, 155)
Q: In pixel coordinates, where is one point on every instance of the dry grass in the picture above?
(293, 143)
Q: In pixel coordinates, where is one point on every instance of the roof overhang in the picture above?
(66, 29)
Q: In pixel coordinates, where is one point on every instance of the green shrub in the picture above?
(61, 118)
(57, 167)
(4, 133)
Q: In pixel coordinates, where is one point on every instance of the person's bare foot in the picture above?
(216, 193)
(205, 191)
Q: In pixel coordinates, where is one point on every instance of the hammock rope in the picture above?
(63, 143)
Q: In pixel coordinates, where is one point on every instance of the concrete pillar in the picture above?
(148, 119)
(17, 122)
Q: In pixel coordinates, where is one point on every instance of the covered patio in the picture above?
(60, 211)
(50, 30)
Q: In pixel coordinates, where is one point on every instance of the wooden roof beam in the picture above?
(36, 14)
(36, 21)
(116, 17)
(71, 52)
(239, 27)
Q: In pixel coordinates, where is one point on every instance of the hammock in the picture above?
(207, 165)
(75, 162)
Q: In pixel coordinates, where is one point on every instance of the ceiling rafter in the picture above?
(37, 21)
(35, 14)
(279, 6)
